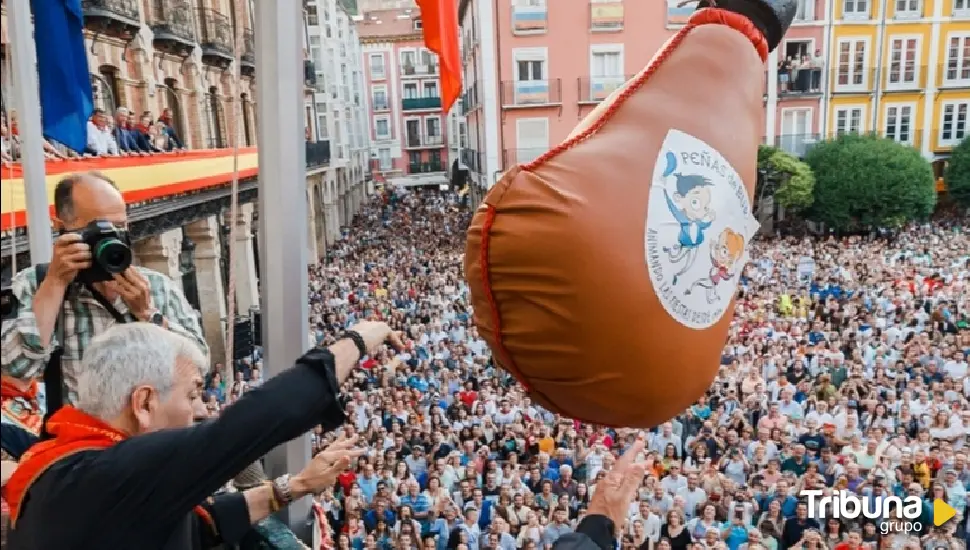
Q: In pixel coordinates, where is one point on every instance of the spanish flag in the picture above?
(439, 19)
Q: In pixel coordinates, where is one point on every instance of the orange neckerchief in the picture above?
(73, 431)
(10, 390)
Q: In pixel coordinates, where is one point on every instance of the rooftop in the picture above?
(392, 23)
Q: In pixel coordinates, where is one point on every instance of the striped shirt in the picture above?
(81, 318)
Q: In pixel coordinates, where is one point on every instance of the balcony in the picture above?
(381, 106)
(529, 19)
(117, 18)
(595, 89)
(799, 83)
(174, 27)
(216, 40)
(606, 15)
(414, 141)
(425, 167)
(247, 59)
(472, 159)
(513, 157)
(469, 100)
(421, 103)
(310, 74)
(852, 79)
(419, 70)
(317, 154)
(531, 93)
(796, 144)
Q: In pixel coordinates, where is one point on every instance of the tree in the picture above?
(784, 177)
(866, 181)
(957, 176)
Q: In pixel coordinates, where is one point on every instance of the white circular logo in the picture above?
(698, 227)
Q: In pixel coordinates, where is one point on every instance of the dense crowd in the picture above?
(845, 369)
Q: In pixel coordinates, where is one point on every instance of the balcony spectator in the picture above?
(124, 135)
(101, 143)
(5, 153)
(143, 135)
(173, 139)
(784, 74)
(818, 63)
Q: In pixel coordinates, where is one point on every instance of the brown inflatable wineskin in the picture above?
(602, 276)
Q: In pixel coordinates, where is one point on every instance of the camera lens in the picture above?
(112, 255)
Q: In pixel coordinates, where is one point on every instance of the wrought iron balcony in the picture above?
(173, 24)
(597, 88)
(317, 153)
(247, 59)
(418, 103)
(415, 141)
(472, 159)
(216, 38)
(531, 93)
(118, 18)
(425, 167)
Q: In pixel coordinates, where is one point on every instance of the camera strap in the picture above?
(119, 317)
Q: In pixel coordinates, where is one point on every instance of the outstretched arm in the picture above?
(674, 209)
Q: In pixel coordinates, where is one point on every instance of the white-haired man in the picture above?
(126, 469)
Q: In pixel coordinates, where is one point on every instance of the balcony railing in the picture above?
(606, 16)
(317, 153)
(469, 100)
(512, 157)
(216, 39)
(425, 167)
(247, 58)
(421, 69)
(531, 93)
(597, 88)
(382, 105)
(121, 18)
(414, 141)
(173, 24)
(529, 19)
(796, 144)
(472, 159)
(799, 82)
(800, 144)
(417, 103)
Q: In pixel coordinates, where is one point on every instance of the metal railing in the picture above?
(382, 105)
(415, 103)
(597, 88)
(425, 167)
(424, 141)
(472, 159)
(248, 55)
(469, 100)
(420, 69)
(525, 93)
(173, 19)
(317, 153)
(216, 32)
(511, 157)
(126, 9)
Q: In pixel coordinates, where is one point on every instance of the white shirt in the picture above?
(101, 141)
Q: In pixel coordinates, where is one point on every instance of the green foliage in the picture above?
(868, 181)
(957, 176)
(788, 179)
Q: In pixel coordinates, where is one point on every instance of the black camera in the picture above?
(110, 251)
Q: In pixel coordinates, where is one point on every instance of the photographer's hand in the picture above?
(70, 255)
(135, 291)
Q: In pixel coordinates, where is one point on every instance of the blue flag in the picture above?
(62, 69)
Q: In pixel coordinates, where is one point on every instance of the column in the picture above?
(208, 273)
(332, 215)
(247, 282)
(312, 229)
(161, 253)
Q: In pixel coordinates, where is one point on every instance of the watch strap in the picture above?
(358, 341)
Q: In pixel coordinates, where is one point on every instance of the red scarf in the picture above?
(73, 432)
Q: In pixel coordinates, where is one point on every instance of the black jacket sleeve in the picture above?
(156, 479)
(595, 532)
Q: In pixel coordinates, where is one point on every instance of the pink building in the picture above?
(407, 126)
(531, 73)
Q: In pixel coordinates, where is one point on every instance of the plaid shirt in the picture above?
(81, 318)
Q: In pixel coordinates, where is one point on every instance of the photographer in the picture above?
(126, 468)
(85, 291)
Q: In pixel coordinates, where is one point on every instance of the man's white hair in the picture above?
(126, 356)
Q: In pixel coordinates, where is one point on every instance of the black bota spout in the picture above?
(772, 17)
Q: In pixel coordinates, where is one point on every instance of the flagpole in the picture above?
(283, 235)
(27, 100)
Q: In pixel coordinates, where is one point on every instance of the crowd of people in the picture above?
(845, 370)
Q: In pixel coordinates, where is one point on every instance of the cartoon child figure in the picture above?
(726, 252)
(691, 207)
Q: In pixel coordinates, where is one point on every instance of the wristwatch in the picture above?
(281, 490)
(156, 318)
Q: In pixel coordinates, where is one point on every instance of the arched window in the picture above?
(102, 94)
(214, 137)
(173, 104)
(246, 107)
(110, 76)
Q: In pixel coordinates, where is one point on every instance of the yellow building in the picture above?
(901, 68)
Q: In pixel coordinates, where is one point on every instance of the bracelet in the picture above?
(358, 341)
(274, 503)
